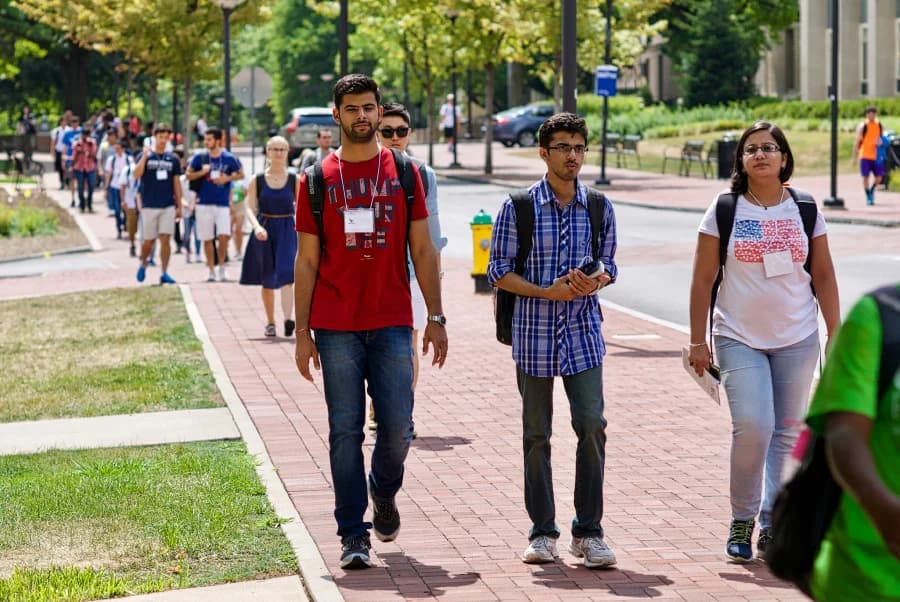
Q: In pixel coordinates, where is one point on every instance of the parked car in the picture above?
(519, 125)
(305, 122)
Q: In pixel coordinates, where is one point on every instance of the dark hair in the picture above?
(395, 109)
(355, 83)
(561, 122)
(214, 132)
(323, 131)
(161, 127)
(739, 176)
(871, 109)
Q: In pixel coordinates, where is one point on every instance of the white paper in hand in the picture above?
(707, 382)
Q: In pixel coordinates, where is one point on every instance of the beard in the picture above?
(356, 136)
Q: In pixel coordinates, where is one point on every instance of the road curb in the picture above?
(317, 580)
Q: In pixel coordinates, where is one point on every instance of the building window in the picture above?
(863, 12)
(864, 60)
(897, 48)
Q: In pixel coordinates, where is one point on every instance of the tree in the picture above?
(716, 45)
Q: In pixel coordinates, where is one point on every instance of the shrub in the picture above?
(6, 221)
(31, 221)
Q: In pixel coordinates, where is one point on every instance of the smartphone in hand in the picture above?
(590, 267)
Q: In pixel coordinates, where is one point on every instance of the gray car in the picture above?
(305, 122)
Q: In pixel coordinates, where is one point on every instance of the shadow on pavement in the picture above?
(414, 579)
(439, 444)
(756, 573)
(620, 350)
(625, 583)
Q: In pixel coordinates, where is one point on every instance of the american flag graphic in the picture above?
(755, 238)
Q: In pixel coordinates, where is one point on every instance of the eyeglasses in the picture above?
(565, 149)
(768, 148)
(401, 131)
(277, 149)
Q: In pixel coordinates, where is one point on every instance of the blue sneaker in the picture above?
(141, 274)
(738, 546)
(166, 279)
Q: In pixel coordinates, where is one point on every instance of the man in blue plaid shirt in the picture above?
(556, 332)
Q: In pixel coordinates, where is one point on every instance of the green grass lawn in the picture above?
(98, 353)
(85, 525)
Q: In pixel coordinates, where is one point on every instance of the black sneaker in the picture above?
(385, 519)
(289, 326)
(355, 552)
(765, 538)
(738, 547)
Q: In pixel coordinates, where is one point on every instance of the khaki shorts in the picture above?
(157, 221)
(212, 221)
(130, 221)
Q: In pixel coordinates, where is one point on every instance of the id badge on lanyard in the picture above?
(359, 221)
(778, 263)
(162, 174)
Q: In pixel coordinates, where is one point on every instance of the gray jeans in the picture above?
(585, 393)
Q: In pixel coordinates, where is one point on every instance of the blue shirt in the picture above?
(158, 181)
(553, 338)
(69, 140)
(225, 164)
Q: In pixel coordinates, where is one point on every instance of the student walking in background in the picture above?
(269, 260)
(764, 320)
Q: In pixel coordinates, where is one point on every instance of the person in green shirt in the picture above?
(860, 555)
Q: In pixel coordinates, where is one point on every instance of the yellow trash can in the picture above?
(482, 226)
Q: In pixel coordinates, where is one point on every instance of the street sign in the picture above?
(605, 80)
(252, 85)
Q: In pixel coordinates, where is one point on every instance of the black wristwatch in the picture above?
(439, 318)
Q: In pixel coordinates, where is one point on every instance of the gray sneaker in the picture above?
(594, 550)
(541, 549)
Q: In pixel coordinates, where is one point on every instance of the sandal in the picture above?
(270, 330)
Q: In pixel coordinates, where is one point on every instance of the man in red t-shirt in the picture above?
(84, 165)
(352, 289)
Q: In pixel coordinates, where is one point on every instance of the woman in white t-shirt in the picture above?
(764, 323)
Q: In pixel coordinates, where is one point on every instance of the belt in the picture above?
(272, 216)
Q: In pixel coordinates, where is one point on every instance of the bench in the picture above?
(629, 147)
(612, 144)
(19, 150)
(691, 152)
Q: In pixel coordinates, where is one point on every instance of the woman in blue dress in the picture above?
(269, 258)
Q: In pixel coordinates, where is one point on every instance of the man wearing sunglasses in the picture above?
(395, 132)
(556, 332)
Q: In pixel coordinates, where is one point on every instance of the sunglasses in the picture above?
(401, 131)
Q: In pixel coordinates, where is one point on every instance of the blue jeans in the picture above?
(86, 203)
(768, 393)
(350, 360)
(585, 393)
(190, 228)
(114, 201)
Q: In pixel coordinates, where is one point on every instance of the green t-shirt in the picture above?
(853, 563)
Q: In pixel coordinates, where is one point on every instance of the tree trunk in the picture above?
(129, 93)
(154, 99)
(75, 81)
(488, 118)
(186, 117)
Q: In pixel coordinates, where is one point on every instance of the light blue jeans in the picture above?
(768, 393)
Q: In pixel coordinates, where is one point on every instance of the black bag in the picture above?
(505, 301)
(197, 184)
(806, 504)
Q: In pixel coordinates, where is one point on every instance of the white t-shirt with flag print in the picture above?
(764, 313)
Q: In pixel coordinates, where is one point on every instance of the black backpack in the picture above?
(315, 185)
(726, 205)
(505, 301)
(806, 504)
(197, 183)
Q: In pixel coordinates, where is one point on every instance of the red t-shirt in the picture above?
(362, 282)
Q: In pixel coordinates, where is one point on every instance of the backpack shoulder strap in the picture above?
(291, 184)
(597, 214)
(407, 178)
(315, 186)
(260, 180)
(726, 205)
(808, 214)
(524, 206)
(888, 300)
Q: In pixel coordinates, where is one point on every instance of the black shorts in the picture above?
(448, 132)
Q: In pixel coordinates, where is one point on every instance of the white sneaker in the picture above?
(541, 549)
(594, 550)
(223, 277)
(211, 277)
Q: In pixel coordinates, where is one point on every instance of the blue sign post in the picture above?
(605, 80)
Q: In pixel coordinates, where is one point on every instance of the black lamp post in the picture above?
(452, 14)
(227, 7)
(607, 58)
(833, 201)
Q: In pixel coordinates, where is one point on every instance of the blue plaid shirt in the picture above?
(553, 338)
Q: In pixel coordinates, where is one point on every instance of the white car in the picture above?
(305, 122)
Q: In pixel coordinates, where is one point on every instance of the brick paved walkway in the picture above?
(464, 523)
